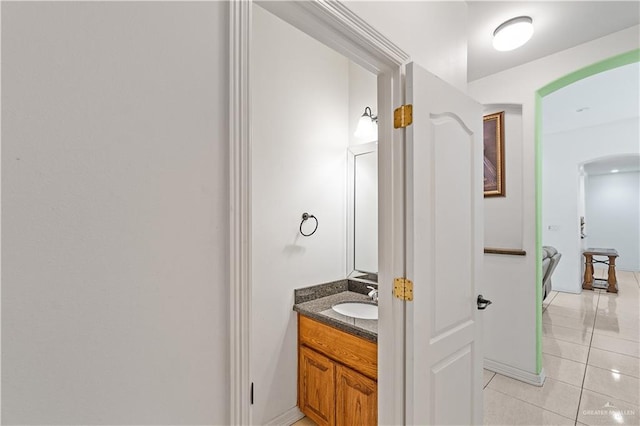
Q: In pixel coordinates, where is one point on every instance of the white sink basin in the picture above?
(357, 310)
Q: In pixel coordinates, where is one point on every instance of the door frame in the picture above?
(607, 64)
(333, 24)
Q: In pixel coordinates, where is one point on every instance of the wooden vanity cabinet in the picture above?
(356, 398)
(317, 386)
(337, 375)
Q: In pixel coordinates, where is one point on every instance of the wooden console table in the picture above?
(589, 280)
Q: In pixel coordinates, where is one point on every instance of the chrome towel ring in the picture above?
(305, 217)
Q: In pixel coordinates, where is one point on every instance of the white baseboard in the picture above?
(515, 373)
(286, 419)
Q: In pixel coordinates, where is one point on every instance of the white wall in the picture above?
(363, 92)
(115, 186)
(613, 214)
(114, 213)
(563, 154)
(300, 136)
(434, 34)
(503, 228)
(517, 86)
(502, 215)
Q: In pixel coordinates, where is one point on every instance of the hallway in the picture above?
(591, 356)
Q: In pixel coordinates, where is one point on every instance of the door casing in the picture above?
(335, 25)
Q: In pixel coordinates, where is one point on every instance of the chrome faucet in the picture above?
(373, 294)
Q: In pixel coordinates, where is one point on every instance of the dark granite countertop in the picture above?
(316, 302)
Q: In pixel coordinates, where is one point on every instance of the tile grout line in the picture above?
(615, 352)
(544, 308)
(610, 370)
(617, 338)
(494, 375)
(569, 341)
(569, 384)
(570, 360)
(584, 376)
(529, 402)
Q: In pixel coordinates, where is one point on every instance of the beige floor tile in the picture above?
(554, 318)
(563, 370)
(558, 397)
(585, 301)
(614, 322)
(629, 298)
(486, 377)
(624, 364)
(571, 312)
(626, 292)
(305, 421)
(628, 285)
(615, 385)
(501, 409)
(581, 337)
(622, 330)
(565, 350)
(614, 344)
(622, 276)
(615, 314)
(625, 276)
(597, 409)
(547, 301)
(626, 308)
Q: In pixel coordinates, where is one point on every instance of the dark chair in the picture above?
(550, 259)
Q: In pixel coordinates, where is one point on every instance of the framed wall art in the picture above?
(494, 155)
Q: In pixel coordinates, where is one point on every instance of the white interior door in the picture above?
(444, 253)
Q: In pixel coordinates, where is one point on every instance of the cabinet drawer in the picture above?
(354, 352)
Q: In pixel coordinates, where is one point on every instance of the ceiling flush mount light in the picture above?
(367, 126)
(615, 171)
(513, 33)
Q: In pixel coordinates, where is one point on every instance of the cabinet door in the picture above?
(317, 386)
(356, 398)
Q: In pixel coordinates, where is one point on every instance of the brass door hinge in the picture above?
(403, 116)
(403, 289)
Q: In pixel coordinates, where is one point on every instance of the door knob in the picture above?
(482, 302)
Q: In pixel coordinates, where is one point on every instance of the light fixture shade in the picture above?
(513, 33)
(367, 127)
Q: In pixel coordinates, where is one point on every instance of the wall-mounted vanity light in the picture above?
(513, 33)
(367, 126)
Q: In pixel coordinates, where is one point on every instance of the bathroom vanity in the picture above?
(337, 356)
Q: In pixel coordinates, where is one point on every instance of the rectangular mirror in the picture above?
(362, 217)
